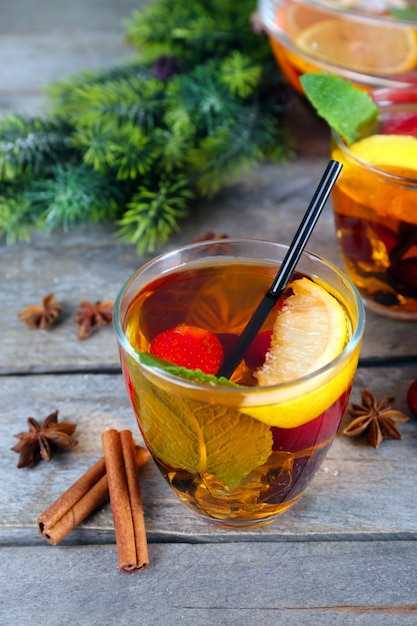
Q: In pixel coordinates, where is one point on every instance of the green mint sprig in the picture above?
(347, 109)
(176, 370)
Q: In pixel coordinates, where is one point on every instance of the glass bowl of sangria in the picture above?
(372, 43)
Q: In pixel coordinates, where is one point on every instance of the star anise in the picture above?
(42, 438)
(89, 316)
(42, 317)
(379, 419)
(211, 236)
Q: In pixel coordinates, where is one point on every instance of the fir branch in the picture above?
(203, 98)
(134, 153)
(194, 31)
(16, 216)
(96, 147)
(126, 153)
(240, 74)
(197, 107)
(133, 101)
(65, 97)
(225, 156)
(28, 148)
(73, 195)
(155, 212)
(175, 146)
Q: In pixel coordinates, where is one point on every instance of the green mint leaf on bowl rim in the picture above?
(408, 14)
(347, 109)
(176, 370)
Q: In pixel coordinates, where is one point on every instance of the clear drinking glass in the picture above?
(237, 455)
(375, 209)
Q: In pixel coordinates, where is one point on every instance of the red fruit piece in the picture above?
(255, 355)
(319, 430)
(404, 123)
(190, 347)
(412, 397)
(403, 275)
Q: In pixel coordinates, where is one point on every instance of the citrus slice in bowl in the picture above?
(299, 16)
(376, 49)
(388, 151)
(310, 331)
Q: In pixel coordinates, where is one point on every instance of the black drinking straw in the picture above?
(286, 269)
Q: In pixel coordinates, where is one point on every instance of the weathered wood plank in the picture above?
(358, 493)
(89, 265)
(257, 584)
(44, 41)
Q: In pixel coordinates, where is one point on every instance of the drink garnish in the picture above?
(403, 123)
(350, 111)
(357, 46)
(256, 353)
(196, 375)
(208, 432)
(310, 330)
(388, 151)
(190, 347)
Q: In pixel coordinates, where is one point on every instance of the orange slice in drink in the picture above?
(376, 49)
(310, 331)
(298, 17)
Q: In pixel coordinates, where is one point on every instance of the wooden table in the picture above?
(345, 554)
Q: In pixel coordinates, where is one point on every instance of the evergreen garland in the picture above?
(198, 107)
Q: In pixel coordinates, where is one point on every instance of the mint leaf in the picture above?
(176, 370)
(199, 437)
(350, 111)
(407, 13)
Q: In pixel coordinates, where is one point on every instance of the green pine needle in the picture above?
(74, 195)
(132, 100)
(206, 101)
(67, 96)
(225, 156)
(28, 148)
(16, 217)
(155, 211)
(240, 74)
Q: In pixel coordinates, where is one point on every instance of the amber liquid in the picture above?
(376, 224)
(219, 297)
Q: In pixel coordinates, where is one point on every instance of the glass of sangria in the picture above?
(375, 206)
(371, 43)
(238, 452)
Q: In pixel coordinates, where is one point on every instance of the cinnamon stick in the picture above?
(125, 500)
(80, 500)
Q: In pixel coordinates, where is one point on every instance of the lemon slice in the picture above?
(387, 151)
(357, 46)
(310, 331)
(299, 16)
